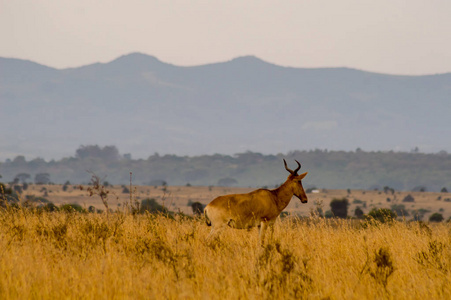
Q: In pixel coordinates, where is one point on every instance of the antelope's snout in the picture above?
(303, 198)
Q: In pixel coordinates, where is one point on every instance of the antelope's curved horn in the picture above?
(298, 168)
(286, 168)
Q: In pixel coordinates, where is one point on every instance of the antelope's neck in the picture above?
(283, 194)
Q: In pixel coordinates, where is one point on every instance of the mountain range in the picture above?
(143, 106)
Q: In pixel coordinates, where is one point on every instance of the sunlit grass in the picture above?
(77, 255)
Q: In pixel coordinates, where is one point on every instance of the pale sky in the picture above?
(387, 36)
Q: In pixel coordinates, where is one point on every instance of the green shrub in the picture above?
(383, 215)
(33, 198)
(49, 207)
(328, 214)
(72, 208)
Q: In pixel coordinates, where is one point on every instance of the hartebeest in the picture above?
(260, 207)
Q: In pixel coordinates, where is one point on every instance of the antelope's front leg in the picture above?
(263, 226)
(271, 230)
(214, 233)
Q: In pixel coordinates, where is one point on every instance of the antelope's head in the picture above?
(295, 181)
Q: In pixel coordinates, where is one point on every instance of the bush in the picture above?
(418, 214)
(358, 212)
(339, 207)
(328, 214)
(49, 207)
(33, 198)
(408, 198)
(8, 194)
(72, 208)
(383, 215)
(400, 210)
(151, 205)
(436, 217)
(5, 190)
(198, 208)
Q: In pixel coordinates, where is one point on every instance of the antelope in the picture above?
(258, 208)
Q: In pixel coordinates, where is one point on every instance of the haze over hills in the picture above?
(143, 106)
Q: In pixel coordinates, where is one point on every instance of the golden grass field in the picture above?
(61, 255)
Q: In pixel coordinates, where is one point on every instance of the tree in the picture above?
(108, 153)
(339, 207)
(23, 177)
(419, 188)
(228, 181)
(19, 160)
(42, 178)
(158, 182)
(444, 190)
(388, 189)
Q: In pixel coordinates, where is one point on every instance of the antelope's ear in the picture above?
(302, 175)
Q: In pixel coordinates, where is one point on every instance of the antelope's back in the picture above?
(256, 204)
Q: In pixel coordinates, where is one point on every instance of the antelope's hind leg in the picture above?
(262, 231)
(263, 228)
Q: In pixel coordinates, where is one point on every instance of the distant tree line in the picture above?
(327, 169)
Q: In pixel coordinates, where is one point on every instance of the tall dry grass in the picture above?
(59, 255)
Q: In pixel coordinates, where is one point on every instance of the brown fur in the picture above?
(260, 207)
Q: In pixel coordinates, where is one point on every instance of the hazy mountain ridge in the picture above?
(143, 106)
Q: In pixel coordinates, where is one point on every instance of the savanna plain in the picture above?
(118, 254)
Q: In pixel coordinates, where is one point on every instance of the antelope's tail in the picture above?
(207, 220)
